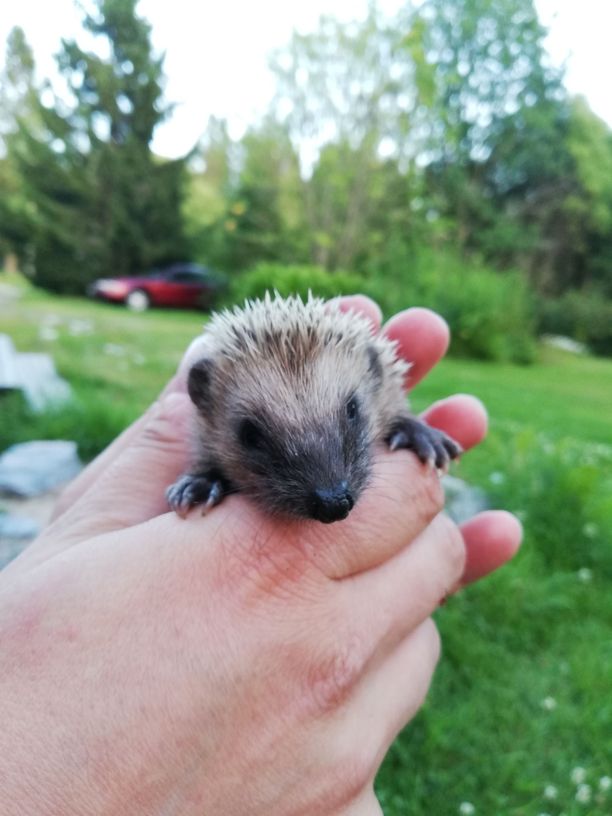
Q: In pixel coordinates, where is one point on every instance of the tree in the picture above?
(17, 103)
(493, 123)
(104, 204)
(347, 101)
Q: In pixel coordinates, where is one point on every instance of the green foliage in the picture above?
(490, 315)
(87, 420)
(586, 316)
(293, 280)
(100, 202)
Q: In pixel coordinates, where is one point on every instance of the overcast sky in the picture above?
(216, 53)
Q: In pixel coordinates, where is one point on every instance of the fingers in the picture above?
(491, 538)
(462, 417)
(388, 602)
(366, 805)
(401, 593)
(422, 338)
(393, 689)
(401, 500)
(362, 304)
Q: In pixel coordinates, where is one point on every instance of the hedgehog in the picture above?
(292, 397)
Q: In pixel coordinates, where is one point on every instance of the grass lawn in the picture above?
(522, 700)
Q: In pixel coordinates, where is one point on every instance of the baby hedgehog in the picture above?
(291, 399)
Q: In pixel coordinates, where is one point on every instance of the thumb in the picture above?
(132, 488)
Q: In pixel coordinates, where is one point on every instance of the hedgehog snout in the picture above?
(331, 504)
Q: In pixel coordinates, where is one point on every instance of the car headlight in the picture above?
(108, 286)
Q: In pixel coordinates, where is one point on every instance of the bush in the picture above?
(92, 423)
(585, 316)
(491, 314)
(295, 280)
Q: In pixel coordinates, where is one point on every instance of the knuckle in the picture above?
(452, 548)
(352, 773)
(431, 501)
(434, 642)
(333, 677)
(168, 423)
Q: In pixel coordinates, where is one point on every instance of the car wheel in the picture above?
(138, 301)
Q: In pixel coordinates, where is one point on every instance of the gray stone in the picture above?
(42, 386)
(8, 372)
(462, 499)
(20, 528)
(33, 468)
(33, 373)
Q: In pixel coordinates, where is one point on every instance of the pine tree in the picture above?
(104, 203)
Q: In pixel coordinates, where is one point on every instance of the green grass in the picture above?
(522, 695)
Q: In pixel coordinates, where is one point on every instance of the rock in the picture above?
(33, 468)
(463, 500)
(564, 343)
(19, 528)
(33, 373)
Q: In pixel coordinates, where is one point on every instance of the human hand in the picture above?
(234, 663)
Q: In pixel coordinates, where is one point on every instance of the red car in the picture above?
(182, 284)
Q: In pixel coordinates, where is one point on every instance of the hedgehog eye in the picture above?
(352, 408)
(250, 435)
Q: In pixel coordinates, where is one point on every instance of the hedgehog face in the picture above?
(316, 469)
(292, 397)
(300, 445)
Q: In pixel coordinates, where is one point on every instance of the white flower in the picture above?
(497, 477)
(549, 703)
(585, 575)
(550, 792)
(578, 775)
(113, 350)
(605, 783)
(48, 333)
(467, 809)
(583, 794)
(590, 530)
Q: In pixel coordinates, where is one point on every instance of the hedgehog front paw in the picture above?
(193, 489)
(429, 444)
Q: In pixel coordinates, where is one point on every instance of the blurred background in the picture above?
(157, 161)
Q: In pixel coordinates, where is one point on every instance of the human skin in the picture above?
(230, 664)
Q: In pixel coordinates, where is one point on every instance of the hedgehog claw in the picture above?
(433, 447)
(192, 489)
(214, 497)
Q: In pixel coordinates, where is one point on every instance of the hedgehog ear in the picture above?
(374, 365)
(198, 382)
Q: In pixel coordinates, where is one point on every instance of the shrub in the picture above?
(585, 316)
(295, 280)
(491, 314)
(90, 422)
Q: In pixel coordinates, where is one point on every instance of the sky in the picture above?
(216, 53)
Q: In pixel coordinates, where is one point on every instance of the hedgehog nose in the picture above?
(331, 504)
